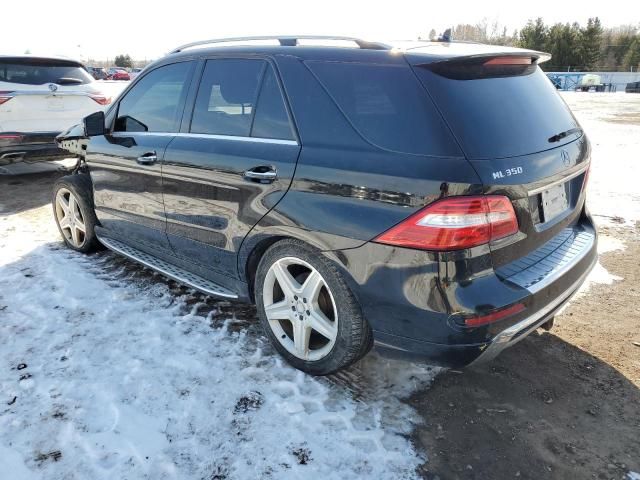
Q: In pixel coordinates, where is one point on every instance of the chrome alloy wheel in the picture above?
(300, 308)
(69, 218)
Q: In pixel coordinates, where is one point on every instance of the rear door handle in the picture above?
(265, 174)
(148, 158)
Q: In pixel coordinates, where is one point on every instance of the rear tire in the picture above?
(74, 213)
(308, 311)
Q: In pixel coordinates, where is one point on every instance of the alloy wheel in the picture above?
(300, 309)
(69, 218)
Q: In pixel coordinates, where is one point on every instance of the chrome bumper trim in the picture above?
(515, 333)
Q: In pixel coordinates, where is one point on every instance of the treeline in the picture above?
(572, 46)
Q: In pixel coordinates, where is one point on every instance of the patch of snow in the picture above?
(601, 275)
(612, 192)
(633, 476)
(126, 375)
(607, 243)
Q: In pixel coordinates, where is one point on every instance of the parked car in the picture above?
(355, 195)
(39, 98)
(633, 87)
(134, 72)
(98, 73)
(117, 73)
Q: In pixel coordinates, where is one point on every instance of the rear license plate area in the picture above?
(554, 201)
(55, 104)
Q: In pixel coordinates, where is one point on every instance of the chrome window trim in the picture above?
(275, 141)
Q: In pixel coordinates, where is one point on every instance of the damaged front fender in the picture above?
(73, 140)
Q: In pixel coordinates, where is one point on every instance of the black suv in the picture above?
(428, 197)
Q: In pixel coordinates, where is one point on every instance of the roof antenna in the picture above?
(446, 36)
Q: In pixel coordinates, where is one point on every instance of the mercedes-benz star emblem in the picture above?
(53, 87)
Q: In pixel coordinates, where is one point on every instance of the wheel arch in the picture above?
(255, 246)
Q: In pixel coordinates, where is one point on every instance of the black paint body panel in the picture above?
(337, 191)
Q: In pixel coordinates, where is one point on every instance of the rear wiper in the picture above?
(68, 81)
(559, 136)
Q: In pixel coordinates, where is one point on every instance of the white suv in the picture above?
(39, 98)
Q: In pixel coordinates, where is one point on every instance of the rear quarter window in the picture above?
(501, 117)
(41, 71)
(387, 105)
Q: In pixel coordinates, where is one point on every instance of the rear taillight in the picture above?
(5, 96)
(101, 99)
(455, 223)
(10, 137)
(476, 321)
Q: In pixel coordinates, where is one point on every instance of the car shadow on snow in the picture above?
(542, 409)
(38, 185)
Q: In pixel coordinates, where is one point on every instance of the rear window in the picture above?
(388, 107)
(501, 116)
(41, 71)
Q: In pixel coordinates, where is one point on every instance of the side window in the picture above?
(153, 104)
(388, 106)
(271, 119)
(227, 97)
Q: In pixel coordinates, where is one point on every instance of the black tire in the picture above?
(354, 338)
(80, 186)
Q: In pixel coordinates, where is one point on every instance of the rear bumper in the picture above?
(455, 356)
(413, 300)
(512, 335)
(29, 146)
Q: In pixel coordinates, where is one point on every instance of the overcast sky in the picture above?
(148, 29)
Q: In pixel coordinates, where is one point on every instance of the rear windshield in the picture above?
(41, 71)
(387, 105)
(502, 117)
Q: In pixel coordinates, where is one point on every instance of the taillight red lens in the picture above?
(5, 96)
(494, 316)
(455, 223)
(101, 99)
(11, 137)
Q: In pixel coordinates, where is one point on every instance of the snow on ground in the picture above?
(109, 371)
(612, 122)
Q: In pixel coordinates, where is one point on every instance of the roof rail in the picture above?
(286, 41)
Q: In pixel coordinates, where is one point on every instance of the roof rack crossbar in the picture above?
(286, 41)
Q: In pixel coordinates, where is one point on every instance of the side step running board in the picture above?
(167, 269)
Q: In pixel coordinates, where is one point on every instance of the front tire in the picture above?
(308, 311)
(74, 213)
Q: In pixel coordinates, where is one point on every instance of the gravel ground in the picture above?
(563, 404)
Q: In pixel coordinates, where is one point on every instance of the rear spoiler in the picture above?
(487, 65)
(535, 56)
